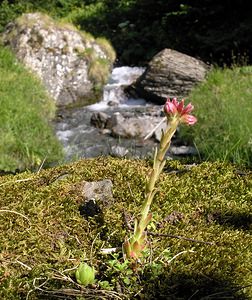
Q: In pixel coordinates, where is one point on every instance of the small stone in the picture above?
(98, 190)
(118, 151)
(113, 103)
(182, 150)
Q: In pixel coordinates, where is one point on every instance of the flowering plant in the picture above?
(176, 113)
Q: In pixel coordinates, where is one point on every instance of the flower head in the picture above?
(177, 109)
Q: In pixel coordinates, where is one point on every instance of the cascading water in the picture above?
(113, 92)
(80, 139)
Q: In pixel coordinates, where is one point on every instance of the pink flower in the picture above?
(177, 109)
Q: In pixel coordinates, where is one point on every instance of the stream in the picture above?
(82, 140)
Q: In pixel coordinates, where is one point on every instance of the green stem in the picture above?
(158, 165)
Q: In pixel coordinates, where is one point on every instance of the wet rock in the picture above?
(113, 103)
(182, 150)
(114, 120)
(99, 119)
(131, 127)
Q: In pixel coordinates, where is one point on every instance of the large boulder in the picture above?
(169, 74)
(72, 64)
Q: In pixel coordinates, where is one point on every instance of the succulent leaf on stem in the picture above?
(176, 113)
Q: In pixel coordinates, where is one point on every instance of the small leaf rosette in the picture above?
(85, 274)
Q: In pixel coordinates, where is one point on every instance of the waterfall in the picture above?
(113, 92)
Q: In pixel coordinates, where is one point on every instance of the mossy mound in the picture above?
(44, 237)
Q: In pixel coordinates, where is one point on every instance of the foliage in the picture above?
(11, 9)
(44, 237)
(99, 71)
(224, 109)
(176, 113)
(26, 135)
(138, 29)
(85, 275)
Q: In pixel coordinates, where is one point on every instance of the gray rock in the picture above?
(182, 150)
(169, 74)
(131, 127)
(114, 120)
(118, 151)
(97, 195)
(98, 190)
(99, 119)
(70, 63)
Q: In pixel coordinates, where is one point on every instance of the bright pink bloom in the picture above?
(188, 119)
(174, 108)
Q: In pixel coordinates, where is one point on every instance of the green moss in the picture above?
(43, 233)
(99, 70)
(107, 48)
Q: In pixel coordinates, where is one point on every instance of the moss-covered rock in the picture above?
(67, 60)
(44, 237)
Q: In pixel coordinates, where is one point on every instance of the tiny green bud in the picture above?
(85, 274)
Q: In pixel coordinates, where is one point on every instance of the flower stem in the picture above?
(176, 113)
(158, 165)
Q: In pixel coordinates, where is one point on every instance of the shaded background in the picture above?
(218, 32)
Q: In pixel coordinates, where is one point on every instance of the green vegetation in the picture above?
(200, 237)
(25, 133)
(216, 31)
(223, 106)
(44, 237)
(99, 71)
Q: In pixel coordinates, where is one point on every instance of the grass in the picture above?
(44, 237)
(26, 110)
(223, 105)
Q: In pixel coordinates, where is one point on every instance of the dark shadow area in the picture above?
(195, 287)
(89, 209)
(234, 220)
(217, 32)
(174, 287)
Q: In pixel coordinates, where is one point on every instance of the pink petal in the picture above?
(187, 109)
(188, 119)
(180, 106)
(175, 101)
(170, 108)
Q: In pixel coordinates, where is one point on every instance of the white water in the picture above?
(113, 91)
(80, 139)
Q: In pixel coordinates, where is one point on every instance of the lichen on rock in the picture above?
(59, 54)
